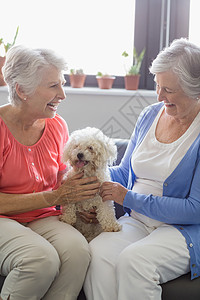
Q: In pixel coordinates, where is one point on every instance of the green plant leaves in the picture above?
(7, 46)
(137, 61)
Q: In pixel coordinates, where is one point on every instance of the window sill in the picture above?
(98, 91)
(107, 92)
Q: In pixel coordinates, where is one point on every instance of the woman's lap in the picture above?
(118, 254)
(60, 245)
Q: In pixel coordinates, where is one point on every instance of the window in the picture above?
(194, 22)
(90, 34)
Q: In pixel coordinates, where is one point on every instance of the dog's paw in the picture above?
(112, 227)
(117, 227)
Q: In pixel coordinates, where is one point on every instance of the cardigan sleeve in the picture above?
(121, 173)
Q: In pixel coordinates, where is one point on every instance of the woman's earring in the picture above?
(25, 98)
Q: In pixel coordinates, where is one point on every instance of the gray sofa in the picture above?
(181, 288)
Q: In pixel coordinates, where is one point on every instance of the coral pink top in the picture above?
(30, 169)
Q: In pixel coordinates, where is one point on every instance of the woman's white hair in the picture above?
(183, 59)
(25, 66)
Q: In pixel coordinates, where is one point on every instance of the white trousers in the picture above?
(131, 264)
(47, 259)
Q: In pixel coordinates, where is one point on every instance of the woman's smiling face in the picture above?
(48, 95)
(177, 103)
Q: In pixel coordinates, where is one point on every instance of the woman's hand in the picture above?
(89, 216)
(74, 189)
(113, 191)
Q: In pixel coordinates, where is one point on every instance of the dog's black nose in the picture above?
(80, 155)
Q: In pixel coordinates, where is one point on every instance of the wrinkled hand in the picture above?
(113, 191)
(89, 216)
(74, 189)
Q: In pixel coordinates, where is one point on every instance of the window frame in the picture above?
(147, 30)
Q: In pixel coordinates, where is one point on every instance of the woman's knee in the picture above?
(37, 266)
(42, 261)
(76, 252)
(134, 259)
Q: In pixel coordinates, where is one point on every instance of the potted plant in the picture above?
(6, 47)
(132, 77)
(105, 81)
(77, 78)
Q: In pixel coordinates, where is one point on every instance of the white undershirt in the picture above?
(153, 161)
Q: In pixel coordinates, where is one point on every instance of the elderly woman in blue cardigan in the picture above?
(158, 184)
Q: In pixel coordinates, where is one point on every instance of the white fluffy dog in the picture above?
(90, 150)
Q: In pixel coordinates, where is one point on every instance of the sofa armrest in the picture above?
(121, 148)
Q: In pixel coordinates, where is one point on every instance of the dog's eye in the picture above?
(90, 148)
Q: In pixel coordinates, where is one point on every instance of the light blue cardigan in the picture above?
(180, 203)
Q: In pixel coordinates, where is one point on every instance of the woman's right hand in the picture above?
(113, 191)
(75, 189)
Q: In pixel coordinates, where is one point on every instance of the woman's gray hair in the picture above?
(25, 66)
(183, 59)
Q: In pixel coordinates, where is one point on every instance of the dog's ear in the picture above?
(111, 149)
(66, 151)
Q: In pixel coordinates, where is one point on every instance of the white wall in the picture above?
(114, 111)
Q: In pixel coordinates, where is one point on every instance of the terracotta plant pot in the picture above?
(105, 82)
(2, 61)
(131, 82)
(77, 80)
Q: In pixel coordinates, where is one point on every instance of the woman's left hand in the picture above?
(113, 191)
(89, 216)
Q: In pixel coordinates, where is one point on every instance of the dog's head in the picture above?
(89, 149)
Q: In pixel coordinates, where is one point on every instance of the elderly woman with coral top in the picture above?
(158, 184)
(40, 256)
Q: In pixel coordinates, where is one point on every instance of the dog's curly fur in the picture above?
(90, 150)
